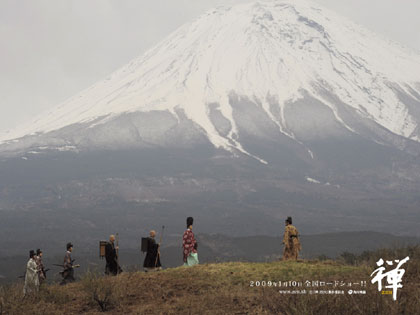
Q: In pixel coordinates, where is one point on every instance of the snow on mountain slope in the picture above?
(281, 50)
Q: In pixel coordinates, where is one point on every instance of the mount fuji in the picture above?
(286, 68)
(277, 102)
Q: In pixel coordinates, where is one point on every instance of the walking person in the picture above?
(68, 265)
(42, 274)
(152, 259)
(189, 245)
(290, 241)
(111, 255)
(31, 276)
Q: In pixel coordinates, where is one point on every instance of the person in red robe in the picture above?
(189, 245)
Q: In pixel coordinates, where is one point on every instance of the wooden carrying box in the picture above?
(102, 245)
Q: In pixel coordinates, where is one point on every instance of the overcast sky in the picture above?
(52, 49)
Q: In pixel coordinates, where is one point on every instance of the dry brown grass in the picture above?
(216, 289)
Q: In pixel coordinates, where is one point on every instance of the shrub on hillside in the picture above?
(101, 291)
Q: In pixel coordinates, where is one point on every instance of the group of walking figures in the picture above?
(36, 273)
(291, 243)
(189, 249)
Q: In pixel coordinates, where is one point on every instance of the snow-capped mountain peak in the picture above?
(272, 53)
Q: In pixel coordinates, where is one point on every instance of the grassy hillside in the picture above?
(215, 249)
(219, 289)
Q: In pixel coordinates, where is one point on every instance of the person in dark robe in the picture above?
(111, 256)
(68, 271)
(152, 259)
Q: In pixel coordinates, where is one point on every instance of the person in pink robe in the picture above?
(189, 245)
